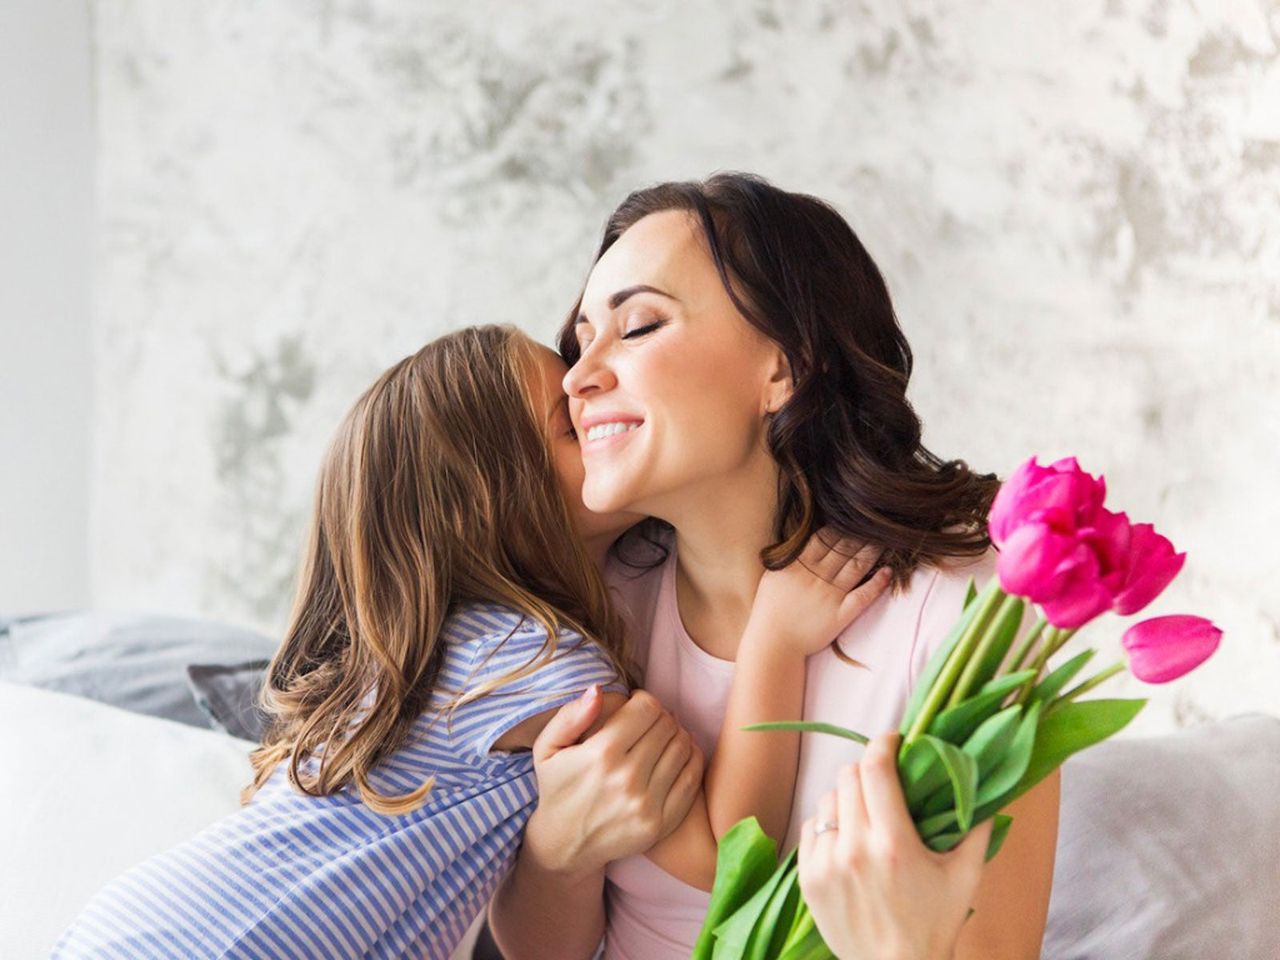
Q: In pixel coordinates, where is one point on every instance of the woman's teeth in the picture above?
(601, 430)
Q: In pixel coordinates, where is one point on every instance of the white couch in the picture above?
(88, 790)
(1169, 848)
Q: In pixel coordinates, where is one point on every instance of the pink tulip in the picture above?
(1152, 565)
(1061, 492)
(1059, 547)
(1062, 549)
(1164, 648)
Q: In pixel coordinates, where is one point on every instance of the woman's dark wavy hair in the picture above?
(848, 441)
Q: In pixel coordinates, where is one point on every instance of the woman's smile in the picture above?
(607, 430)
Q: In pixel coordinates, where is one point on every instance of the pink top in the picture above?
(651, 914)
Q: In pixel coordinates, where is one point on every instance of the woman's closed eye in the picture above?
(648, 328)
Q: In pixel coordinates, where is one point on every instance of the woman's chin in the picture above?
(608, 499)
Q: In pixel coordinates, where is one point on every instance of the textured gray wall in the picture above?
(1076, 206)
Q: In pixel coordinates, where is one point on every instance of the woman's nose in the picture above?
(588, 376)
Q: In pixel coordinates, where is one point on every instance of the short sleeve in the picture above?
(545, 683)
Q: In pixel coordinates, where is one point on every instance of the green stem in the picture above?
(1047, 649)
(1027, 644)
(974, 664)
(1092, 682)
(955, 662)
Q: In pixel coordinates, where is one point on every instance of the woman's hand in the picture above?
(619, 792)
(875, 890)
(803, 607)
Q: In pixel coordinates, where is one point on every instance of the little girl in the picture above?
(447, 605)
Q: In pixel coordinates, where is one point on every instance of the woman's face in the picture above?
(566, 456)
(671, 388)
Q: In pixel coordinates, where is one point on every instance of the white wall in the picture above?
(46, 218)
(1074, 204)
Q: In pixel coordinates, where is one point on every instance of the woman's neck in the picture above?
(719, 536)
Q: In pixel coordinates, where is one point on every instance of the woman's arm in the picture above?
(614, 795)
(1013, 896)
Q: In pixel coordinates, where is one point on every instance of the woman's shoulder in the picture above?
(946, 583)
(948, 579)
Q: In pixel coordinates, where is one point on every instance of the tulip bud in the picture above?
(1164, 648)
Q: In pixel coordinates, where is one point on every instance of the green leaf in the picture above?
(1070, 728)
(994, 790)
(989, 742)
(745, 860)
(938, 824)
(962, 777)
(970, 594)
(809, 947)
(933, 668)
(949, 841)
(999, 830)
(921, 772)
(955, 724)
(1049, 687)
(1010, 769)
(944, 841)
(810, 726)
(775, 921)
(734, 935)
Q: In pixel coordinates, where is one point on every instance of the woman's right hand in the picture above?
(875, 890)
(619, 792)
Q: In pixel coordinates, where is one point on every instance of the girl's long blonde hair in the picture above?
(437, 490)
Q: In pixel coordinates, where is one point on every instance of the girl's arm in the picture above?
(797, 612)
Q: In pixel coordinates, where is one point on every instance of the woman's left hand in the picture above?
(875, 890)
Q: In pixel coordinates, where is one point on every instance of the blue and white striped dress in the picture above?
(295, 876)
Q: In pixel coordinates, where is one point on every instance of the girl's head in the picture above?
(727, 321)
(454, 478)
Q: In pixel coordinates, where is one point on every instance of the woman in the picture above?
(738, 374)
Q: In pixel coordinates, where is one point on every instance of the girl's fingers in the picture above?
(855, 566)
(816, 551)
(855, 602)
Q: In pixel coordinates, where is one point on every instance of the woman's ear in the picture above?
(779, 386)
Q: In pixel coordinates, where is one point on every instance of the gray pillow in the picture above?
(130, 660)
(227, 694)
(1169, 847)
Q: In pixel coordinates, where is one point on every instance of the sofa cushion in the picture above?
(1169, 847)
(129, 660)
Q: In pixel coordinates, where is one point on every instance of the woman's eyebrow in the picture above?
(622, 296)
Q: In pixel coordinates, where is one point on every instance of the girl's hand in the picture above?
(875, 890)
(617, 793)
(805, 605)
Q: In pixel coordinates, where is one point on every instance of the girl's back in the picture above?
(297, 876)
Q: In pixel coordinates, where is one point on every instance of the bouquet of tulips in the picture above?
(987, 721)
